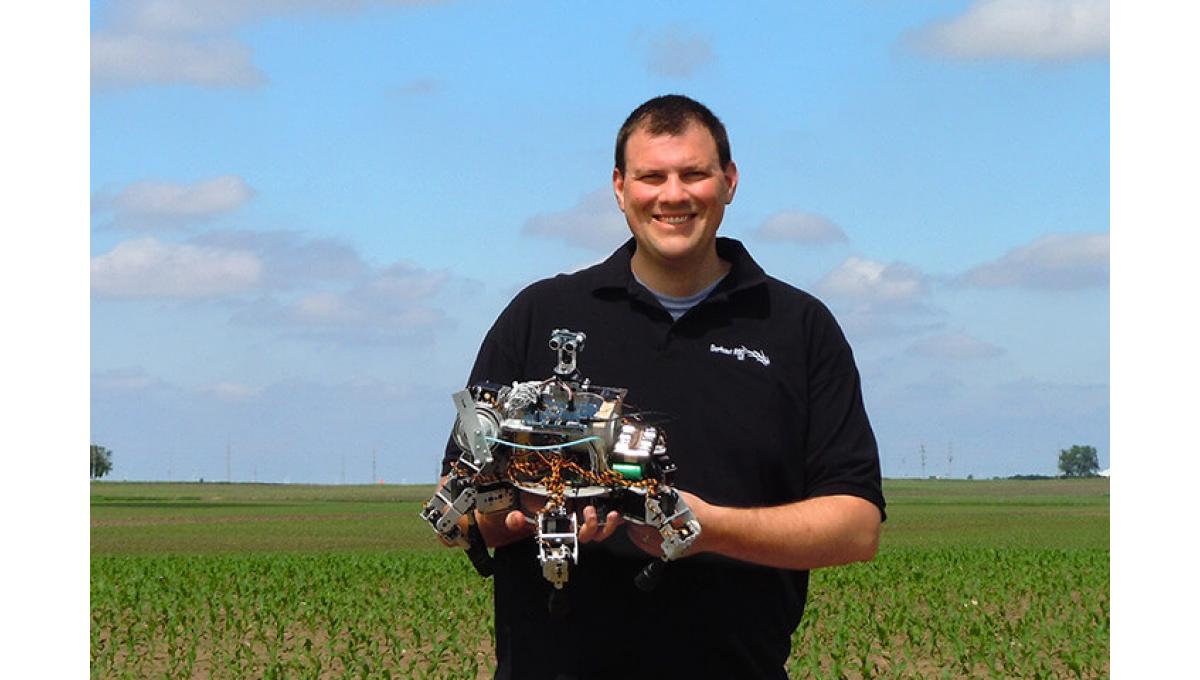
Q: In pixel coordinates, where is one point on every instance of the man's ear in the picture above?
(731, 179)
(619, 188)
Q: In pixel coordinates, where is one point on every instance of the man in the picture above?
(775, 455)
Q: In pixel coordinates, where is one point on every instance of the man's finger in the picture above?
(515, 521)
(591, 525)
(611, 522)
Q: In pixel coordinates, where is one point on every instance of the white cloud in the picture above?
(801, 227)
(875, 285)
(1037, 30)
(394, 305)
(404, 283)
(159, 42)
(190, 16)
(125, 379)
(594, 223)
(231, 391)
(151, 204)
(149, 268)
(1054, 262)
(132, 59)
(954, 346)
(314, 289)
(676, 54)
(873, 299)
(289, 259)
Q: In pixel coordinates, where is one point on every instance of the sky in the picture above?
(305, 215)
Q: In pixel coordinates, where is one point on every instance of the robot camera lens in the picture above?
(570, 347)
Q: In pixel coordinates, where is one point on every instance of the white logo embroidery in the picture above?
(742, 352)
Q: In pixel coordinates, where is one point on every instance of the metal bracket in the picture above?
(558, 544)
(443, 512)
(676, 539)
(471, 428)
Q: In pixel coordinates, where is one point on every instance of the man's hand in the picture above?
(591, 530)
(505, 527)
(650, 540)
(502, 528)
(647, 538)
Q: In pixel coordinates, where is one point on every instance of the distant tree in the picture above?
(1078, 461)
(101, 461)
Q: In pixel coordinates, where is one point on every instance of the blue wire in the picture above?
(542, 448)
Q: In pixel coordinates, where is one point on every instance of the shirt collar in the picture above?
(744, 272)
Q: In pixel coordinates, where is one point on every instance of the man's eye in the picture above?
(695, 176)
(653, 178)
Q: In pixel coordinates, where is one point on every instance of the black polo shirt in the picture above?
(764, 406)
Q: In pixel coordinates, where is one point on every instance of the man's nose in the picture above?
(673, 190)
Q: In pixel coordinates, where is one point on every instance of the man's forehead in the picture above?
(694, 144)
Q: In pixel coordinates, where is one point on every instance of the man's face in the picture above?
(673, 194)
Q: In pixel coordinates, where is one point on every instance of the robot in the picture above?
(569, 442)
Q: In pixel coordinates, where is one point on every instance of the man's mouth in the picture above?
(674, 219)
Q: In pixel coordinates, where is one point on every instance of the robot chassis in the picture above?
(561, 439)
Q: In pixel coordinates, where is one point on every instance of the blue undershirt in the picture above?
(678, 306)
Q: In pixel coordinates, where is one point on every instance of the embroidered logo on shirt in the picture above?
(741, 353)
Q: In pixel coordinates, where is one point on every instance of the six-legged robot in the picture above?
(567, 441)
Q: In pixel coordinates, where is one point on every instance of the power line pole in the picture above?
(950, 460)
(922, 461)
(374, 477)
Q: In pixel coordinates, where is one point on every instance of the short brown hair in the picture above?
(670, 115)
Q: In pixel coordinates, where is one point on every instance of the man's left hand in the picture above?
(650, 540)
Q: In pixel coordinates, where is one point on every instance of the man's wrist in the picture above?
(712, 530)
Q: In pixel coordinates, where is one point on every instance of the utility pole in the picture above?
(922, 461)
(374, 478)
(950, 460)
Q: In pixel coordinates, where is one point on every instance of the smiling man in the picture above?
(673, 183)
(776, 457)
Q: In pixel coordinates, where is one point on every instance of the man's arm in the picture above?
(817, 532)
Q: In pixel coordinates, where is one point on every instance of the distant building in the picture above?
(1103, 473)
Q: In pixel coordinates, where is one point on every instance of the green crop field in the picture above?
(996, 579)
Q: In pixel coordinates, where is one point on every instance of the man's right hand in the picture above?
(502, 528)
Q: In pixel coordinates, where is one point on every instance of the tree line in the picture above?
(1077, 461)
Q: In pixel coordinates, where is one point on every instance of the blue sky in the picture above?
(305, 215)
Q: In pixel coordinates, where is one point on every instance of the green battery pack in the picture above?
(628, 471)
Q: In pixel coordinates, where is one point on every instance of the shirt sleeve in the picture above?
(842, 455)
